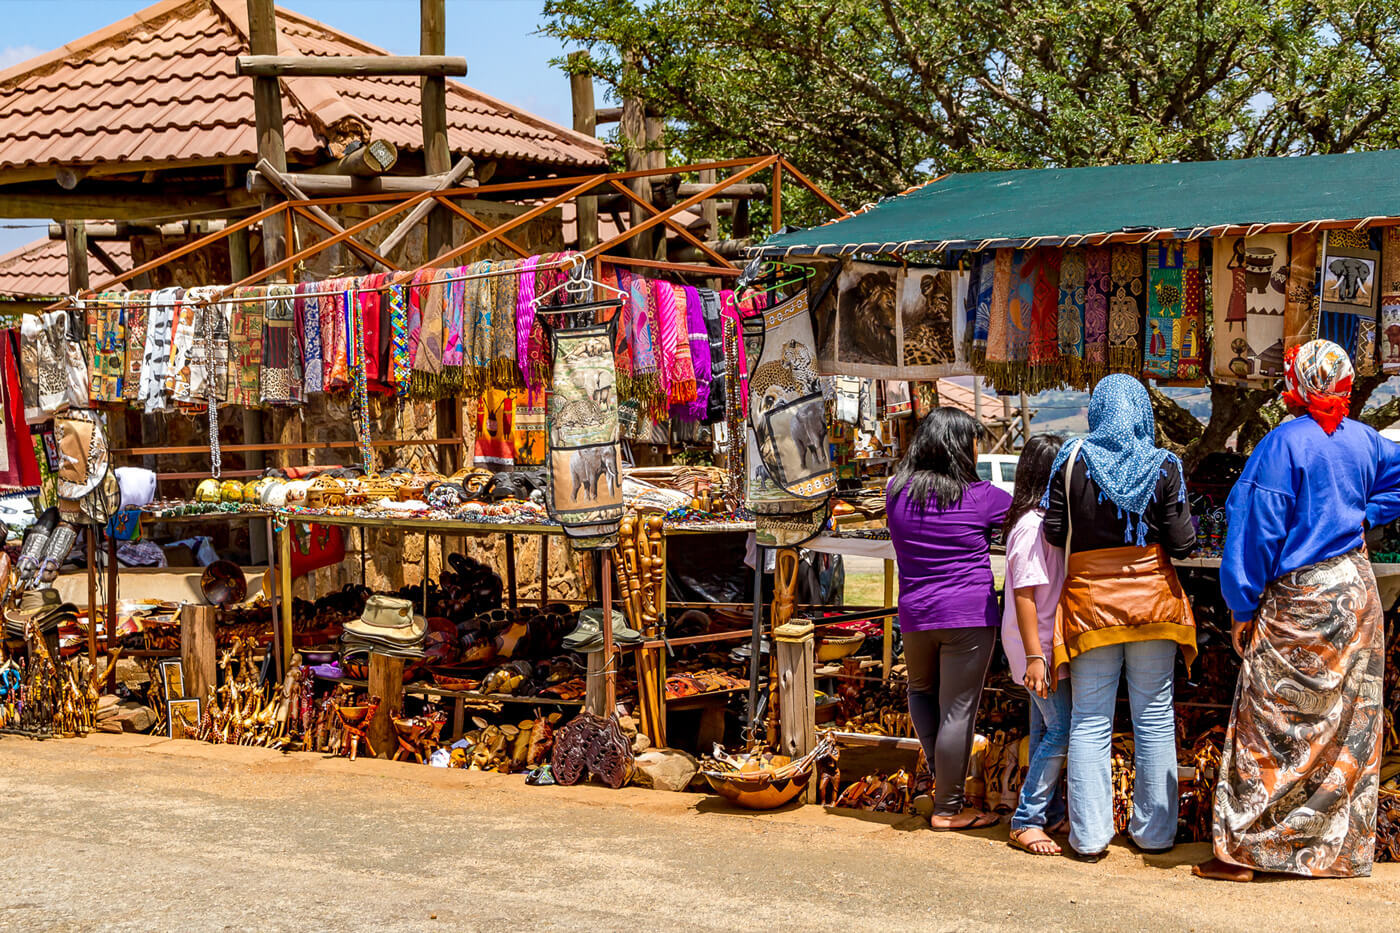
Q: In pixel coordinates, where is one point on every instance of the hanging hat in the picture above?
(45, 608)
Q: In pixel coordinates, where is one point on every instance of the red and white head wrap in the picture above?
(1317, 378)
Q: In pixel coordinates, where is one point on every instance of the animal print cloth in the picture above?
(789, 476)
(1301, 764)
(585, 486)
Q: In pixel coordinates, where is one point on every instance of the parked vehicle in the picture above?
(999, 469)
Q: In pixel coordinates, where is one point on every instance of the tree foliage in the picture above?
(869, 97)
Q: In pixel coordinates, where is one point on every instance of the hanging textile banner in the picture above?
(1070, 325)
(585, 489)
(928, 327)
(1046, 371)
(1166, 305)
(1266, 284)
(1350, 281)
(1228, 285)
(1389, 288)
(1190, 330)
(789, 477)
(1127, 306)
(1097, 285)
(861, 339)
(1300, 303)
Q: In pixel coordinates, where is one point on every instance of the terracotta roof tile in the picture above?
(160, 86)
(40, 269)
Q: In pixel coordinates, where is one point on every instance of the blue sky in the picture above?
(504, 57)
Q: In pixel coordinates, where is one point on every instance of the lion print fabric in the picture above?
(1301, 765)
(585, 487)
(789, 479)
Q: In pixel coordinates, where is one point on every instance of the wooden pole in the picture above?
(111, 620)
(91, 535)
(373, 158)
(350, 66)
(198, 647)
(437, 155)
(585, 122)
(284, 591)
(385, 682)
(267, 114)
(778, 204)
(632, 133)
(609, 652)
(887, 651)
(322, 185)
(797, 734)
(75, 233)
(1025, 419)
(656, 158)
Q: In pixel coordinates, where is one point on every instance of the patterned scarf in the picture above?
(683, 385)
(984, 274)
(507, 369)
(1045, 369)
(186, 347)
(245, 344)
(1126, 306)
(427, 362)
(525, 317)
(622, 333)
(1070, 326)
(155, 363)
(400, 371)
(477, 311)
(106, 347)
(281, 376)
(998, 318)
(456, 330)
(699, 353)
(1097, 284)
(335, 336)
(308, 324)
(1318, 376)
(668, 331)
(1166, 305)
(134, 313)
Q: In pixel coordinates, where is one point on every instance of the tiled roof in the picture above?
(954, 394)
(159, 86)
(40, 269)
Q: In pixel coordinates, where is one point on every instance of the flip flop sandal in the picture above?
(1014, 841)
(977, 822)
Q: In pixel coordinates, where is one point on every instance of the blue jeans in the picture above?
(1095, 676)
(1049, 741)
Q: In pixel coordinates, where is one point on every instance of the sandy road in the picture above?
(135, 833)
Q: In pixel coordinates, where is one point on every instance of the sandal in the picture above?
(980, 821)
(1047, 845)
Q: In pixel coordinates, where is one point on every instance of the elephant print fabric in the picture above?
(790, 479)
(585, 484)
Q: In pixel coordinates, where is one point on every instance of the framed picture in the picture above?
(172, 675)
(1349, 278)
(181, 715)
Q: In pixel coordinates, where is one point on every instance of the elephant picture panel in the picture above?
(1349, 279)
(799, 457)
(586, 479)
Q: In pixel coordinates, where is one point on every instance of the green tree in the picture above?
(871, 96)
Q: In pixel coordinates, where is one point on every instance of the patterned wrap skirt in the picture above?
(1301, 766)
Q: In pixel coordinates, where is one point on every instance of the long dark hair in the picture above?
(941, 462)
(1032, 476)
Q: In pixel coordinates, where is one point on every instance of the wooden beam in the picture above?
(581, 92)
(122, 230)
(364, 161)
(68, 176)
(688, 189)
(112, 202)
(607, 115)
(293, 193)
(483, 226)
(709, 209)
(444, 182)
(437, 154)
(101, 256)
(350, 66)
(267, 114)
(76, 236)
(632, 133)
(321, 186)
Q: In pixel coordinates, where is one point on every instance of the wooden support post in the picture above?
(90, 534)
(585, 122)
(75, 233)
(778, 199)
(267, 114)
(632, 133)
(755, 643)
(437, 155)
(198, 647)
(595, 698)
(797, 695)
(887, 651)
(284, 591)
(741, 227)
(609, 653)
(544, 570)
(272, 584)
(385, 682)
(110, 622)
(656, 158)
(1025, 419)
(512, 597)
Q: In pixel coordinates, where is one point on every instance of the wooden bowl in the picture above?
(836, 647)
(353, 715)
(760, 790)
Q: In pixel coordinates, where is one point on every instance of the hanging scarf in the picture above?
(245, 343)
(1118, 452)
(20, 470)
(308, 324)
(187, 347)
(1166, 303)
(622, 333)
(525, 316)
(53, 375)
(335, 334)
(645, 371)
(507, 369)
(427, 362)
(1097, 286)
(217, 324)
(369, 298)
(669, 331)
(1070, 325)
(478, 302)
(1317, 377)
(1126, 307)
(400, 372)
(998, 324)
(155, 361)
(359, 374)
(134, 314)
(699, 353)
(280, 380)
(683, 383)
(1045, 369)
(456, 330)
(985, 276)
(1300, 305)
(735, 359)
(106, 347)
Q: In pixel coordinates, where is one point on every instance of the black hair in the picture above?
(942, 460)
(1032, 476)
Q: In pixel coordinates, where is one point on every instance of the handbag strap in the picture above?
(1069, 509)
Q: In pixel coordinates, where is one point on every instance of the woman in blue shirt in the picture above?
(1301, 764)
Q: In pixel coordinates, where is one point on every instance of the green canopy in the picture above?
(1052, 206)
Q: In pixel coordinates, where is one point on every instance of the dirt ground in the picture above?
(138, 833)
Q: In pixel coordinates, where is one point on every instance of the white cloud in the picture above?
(14, 54)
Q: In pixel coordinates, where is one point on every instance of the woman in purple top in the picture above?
(941, 519)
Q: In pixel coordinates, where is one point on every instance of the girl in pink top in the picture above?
(1035, 572)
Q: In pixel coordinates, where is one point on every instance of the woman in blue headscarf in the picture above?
(1117, 504)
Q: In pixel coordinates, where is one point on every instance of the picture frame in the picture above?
(1350, 279)
(172, 675)
(185, 710)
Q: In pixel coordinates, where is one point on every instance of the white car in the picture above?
(999, 470)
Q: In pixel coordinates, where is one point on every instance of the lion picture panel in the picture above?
(866, 342)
